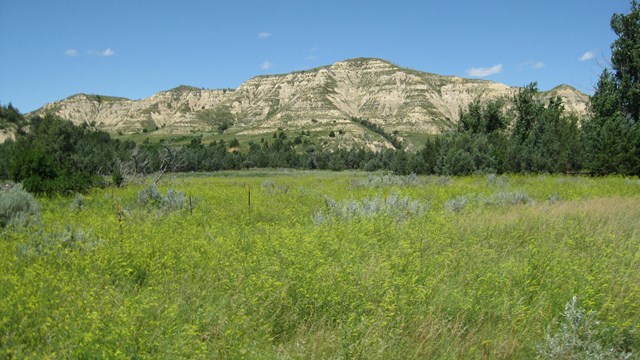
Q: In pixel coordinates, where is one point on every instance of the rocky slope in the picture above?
(398, 99)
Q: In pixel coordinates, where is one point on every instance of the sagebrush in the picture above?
(18, 207)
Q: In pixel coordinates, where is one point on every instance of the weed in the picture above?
(387, 180)
(268, 184)
(456, 204)
(319, 217)
(491, 179)
(78, 202)
(632, 182)
(507, 198)
(444, 180)
(271, 188)
(554, 198)
(495, 180)
(73, 239)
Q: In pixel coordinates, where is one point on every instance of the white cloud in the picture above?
(312, 53)
(104, 53)
(107, 52)
(266, 65)
(71, 52)
(482, 72)
(531, 65)
(587, 56)
(537, 65)
(264, 35)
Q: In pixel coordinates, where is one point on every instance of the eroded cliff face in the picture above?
(172, 111)
(393, 97)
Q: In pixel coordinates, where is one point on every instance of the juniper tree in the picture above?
(612, 135)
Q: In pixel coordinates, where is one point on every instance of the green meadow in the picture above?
(349, 265)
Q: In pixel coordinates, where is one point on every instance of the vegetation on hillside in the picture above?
(11, 119)
(380, 131)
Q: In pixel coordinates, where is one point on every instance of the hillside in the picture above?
(326, 98)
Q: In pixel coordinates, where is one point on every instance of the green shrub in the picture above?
(150, 194)
(173, 200)
(392, 206)
(495, 180)
(444, 180)
(72, 239)
(507, 198)
(18, 207)
(581, 336)
(388, 180)
(117, 178)
(268, 184)
(456, 204)
(78, 202)
(68, 239)
(271, 188)
(57, 157)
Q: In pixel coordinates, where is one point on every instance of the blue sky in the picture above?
(53, 49)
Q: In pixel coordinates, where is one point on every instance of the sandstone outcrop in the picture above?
(398, 99)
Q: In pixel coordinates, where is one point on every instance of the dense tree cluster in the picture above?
(612, 136)
(537, 137)
(281, 152)
(51, 155)
(532, 136)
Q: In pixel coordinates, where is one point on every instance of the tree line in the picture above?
(51, 155)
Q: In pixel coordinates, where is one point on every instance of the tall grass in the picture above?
(488, 281)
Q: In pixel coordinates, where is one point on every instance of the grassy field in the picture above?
(328, 265)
